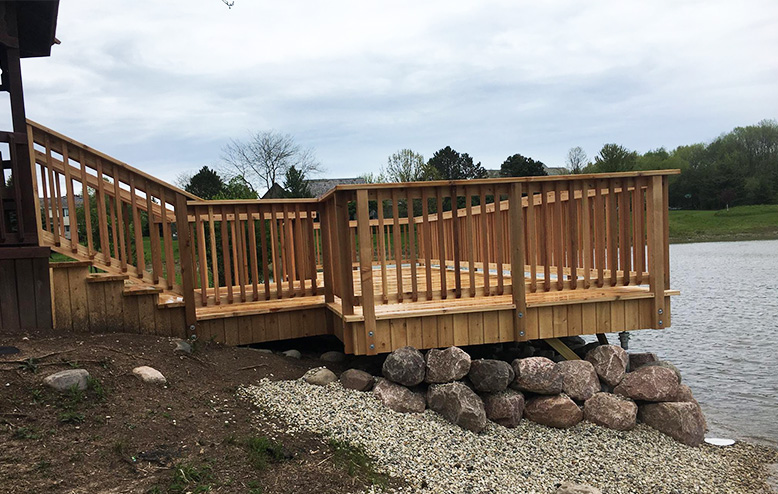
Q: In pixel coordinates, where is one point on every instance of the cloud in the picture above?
(164, 85)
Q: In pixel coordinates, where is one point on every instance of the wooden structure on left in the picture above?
(26, 30)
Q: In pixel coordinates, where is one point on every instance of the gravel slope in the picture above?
(433, 455)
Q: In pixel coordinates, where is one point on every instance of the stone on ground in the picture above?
(579, 380)
(357, 379)
(649, 383)
(638, 360)
(399, 398)
(554, 411)
(490, 376)
(66, 379)
(458, 404)
(320, 376)
(611, 411)
(537, 375)
(571, 488)
(405, 366)
(149, 375)
(333, 357)
(505, 408)
(182, 346)
(443, 366)
(610, 363)
(292, 354)
(683, 422)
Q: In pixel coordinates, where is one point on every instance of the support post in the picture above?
(185, 262)
(657, 249)
(366, 269)
(516, 212)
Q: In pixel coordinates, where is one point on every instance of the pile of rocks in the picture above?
(610, 387)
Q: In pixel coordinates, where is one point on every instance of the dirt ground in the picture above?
(123, 435)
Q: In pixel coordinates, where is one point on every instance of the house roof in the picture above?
(321, 186)
(274, 192)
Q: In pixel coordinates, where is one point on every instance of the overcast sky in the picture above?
(163, 85)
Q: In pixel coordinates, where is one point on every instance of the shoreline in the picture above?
(736, 237)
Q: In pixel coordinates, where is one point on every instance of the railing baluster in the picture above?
(226, 263)
(470, 243)
(411, 242)
(456, 249)
(214, 258)
(278, 273)
(586, 232)
(253, 247)
(202, 260)
(70, 200)
(312, 269)
(625, 253)
(638, 233)
(299, 249)
(236, 262)
(532, 246)
(140, 263)
(612, 220)
(156, 251)
(426, 231)
(397, 239)
(442, 243)
(87, 205)
(559, 237)
(170, 265)
(485, 241)
(382, 247)
(546, 235)
(105, 243)
(263, 242)
(499, 240)
(120, 219)
(601, 230)
(572, 234)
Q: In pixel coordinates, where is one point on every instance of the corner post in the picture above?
(366, 269)
(657, 248)
(516, 212)
(185, 262)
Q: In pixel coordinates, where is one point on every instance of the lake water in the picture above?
(724, 334)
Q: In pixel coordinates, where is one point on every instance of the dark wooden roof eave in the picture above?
(37, 23)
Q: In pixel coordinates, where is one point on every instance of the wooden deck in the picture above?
(428, 264)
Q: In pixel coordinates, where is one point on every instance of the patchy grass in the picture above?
(263, 450)
(192, 478)
(357, 463)
(737, 223)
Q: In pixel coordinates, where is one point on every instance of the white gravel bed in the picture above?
(432, 455)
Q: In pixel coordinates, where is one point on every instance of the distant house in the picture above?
(66, 213)
(274, 192)
(321, 186)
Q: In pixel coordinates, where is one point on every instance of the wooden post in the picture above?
(516, 222)
(366, 268)
(657, 249)
(325, 216)
(185, 261)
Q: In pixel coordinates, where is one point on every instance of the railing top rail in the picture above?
(252, 202)
(507, 180)
(73, 142)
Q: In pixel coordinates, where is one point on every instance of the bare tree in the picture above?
(265, 158)
(576, 159)
(405, 166)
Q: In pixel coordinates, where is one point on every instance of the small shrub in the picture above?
(262, 450)
(75, 395)
(71, 417)
(357, 463)
(96, 388)
(188, 477)
(37, 395)
(26, 433)
(30, 365)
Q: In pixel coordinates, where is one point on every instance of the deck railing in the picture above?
(250, 251)
(362, 246)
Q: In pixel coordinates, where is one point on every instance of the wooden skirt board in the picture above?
(25, 300)
(258, 328)
(477, 328)
(84, 302)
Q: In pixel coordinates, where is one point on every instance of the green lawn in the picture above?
(739, 223)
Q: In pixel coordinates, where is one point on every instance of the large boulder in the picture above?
(443, 366)
(333, 357)
(638, 360)
(458, 404)
(357, 379)
(683, 422)
(554, 411)
(64, 380)
(321, 376)
(537, 375)
(579, 380)
(490, 376)
(405, 366)
(666, 364)
(505, 408)
(682, 393)
(610, 363)
(649, 383)
(399, 398)
(611, 411)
